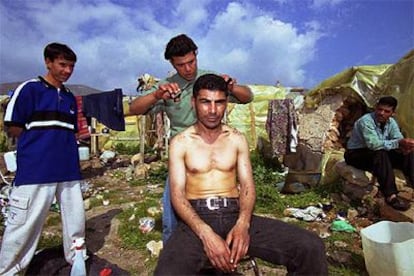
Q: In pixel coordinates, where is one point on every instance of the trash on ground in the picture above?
(154, 247)
(310, 213)
(146, 224)
(342, 226)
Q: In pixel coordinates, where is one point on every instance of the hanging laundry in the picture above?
(106, 107)
(281, 126)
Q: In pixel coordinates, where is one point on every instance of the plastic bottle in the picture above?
(78, 267)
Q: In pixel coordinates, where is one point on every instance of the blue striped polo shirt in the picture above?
(47, 150)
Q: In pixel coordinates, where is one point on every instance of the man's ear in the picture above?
(193, 102)
(47, 62)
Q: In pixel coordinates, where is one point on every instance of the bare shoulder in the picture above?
(233, 133)
(183, 137)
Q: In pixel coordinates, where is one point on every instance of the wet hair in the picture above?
(55, 50)
(388, 101)
(179, 46)
(210, 82)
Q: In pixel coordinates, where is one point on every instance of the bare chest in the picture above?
(205, 158)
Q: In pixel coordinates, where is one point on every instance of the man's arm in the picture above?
(240, 92)
(142, 104)
(238, 237)
(215, 247)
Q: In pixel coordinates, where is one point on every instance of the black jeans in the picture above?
(301, 251)
(381, 164)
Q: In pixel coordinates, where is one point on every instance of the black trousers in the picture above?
(381, 164)
(301, 251)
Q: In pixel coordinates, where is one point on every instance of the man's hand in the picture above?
(218, 252)
(239, 240)
(406, 145)
(230, 82)
(168, 91)
(14, 131)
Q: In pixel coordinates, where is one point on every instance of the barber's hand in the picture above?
(239, 240)
(168, 91)
(218, 252)
(231, 82)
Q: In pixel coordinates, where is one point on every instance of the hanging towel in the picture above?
(106, 107)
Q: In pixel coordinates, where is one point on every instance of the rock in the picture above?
(356, 192)
(352, 214)
(340, 257)
(141, 171)
(87, 204)
(137, 159)
(353, 175)
(293, 188)
(156, 165)
(310, 178)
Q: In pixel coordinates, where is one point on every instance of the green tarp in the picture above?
(369, 83)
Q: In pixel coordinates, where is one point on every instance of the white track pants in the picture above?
(29, 207)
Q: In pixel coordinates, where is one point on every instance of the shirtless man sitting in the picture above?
(207, 161)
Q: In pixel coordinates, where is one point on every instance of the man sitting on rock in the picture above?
(206, 161)
(377, 145)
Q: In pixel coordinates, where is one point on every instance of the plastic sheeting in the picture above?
(369, 83)
(398, 81)
(250, 119)
(357, 81)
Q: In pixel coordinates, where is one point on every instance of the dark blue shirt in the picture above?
(47, 150)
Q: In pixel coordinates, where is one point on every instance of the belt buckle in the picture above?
(212, 203)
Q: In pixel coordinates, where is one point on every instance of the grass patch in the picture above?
(131, 235)
(49, 241)
(53, 219)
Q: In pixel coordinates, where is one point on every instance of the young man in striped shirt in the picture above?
(42, 114)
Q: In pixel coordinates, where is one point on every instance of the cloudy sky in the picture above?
(296, 42)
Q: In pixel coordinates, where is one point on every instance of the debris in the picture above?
(146, 224)
(342, 226)
(310, 213)
(106, 155)
(154, 247)
(153, 211)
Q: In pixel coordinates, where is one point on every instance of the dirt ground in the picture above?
(103, 240)
(102, 229)
(102, 237)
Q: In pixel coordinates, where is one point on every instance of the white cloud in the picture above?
(116, 43)
(256, 48)
(323, 3)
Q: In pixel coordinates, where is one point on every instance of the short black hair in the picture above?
(388, 101)
(55, 50)
(210, 82)
(179, 46)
